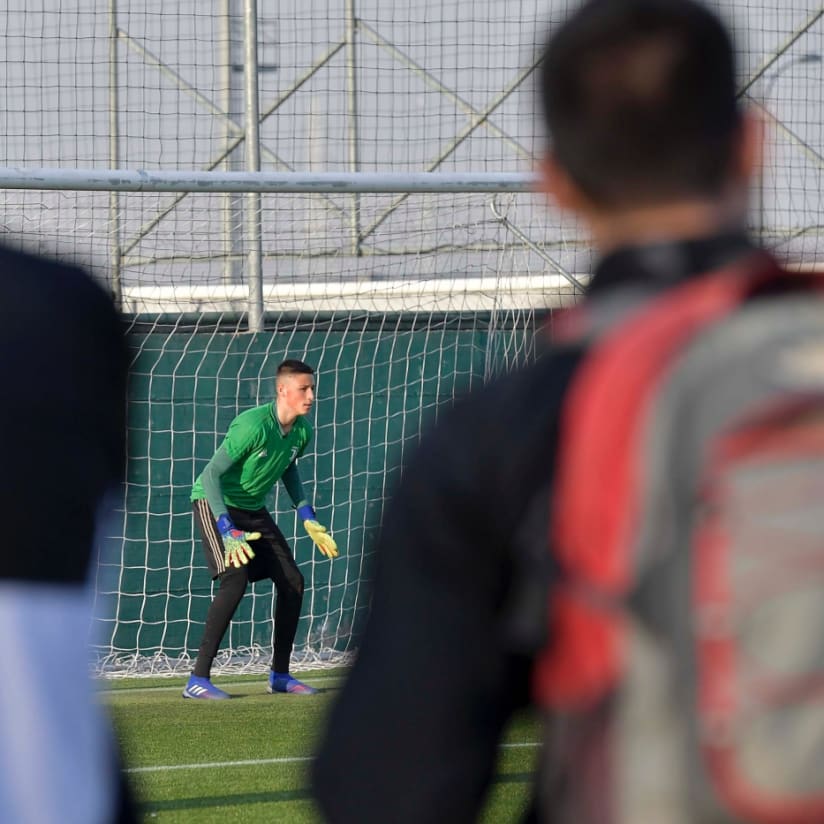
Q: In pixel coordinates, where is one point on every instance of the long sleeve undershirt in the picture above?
(222, 461)
(291, 480)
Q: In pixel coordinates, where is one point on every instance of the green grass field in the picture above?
(246, 760)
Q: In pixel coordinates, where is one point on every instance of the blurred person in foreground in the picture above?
(63, 362)
(650, 149)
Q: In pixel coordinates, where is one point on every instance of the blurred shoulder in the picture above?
(507, 424)
(511, 400)
(23, 272)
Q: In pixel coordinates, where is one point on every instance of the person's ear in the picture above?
(748, 152)
(560, 187)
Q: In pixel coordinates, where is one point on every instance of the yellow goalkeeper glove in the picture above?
(237, 551)
(323, 540)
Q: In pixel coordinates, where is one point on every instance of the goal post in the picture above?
(450, 283)
(130, 180)
(381, 378)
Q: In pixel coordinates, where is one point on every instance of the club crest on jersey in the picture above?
(262, 454)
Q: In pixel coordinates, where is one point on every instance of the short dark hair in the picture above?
(294, 367)
(639, 97)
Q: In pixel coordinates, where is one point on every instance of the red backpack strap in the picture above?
(595, 498)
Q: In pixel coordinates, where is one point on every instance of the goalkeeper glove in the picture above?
(323, 540)
(237, 551)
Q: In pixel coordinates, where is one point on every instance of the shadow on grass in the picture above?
(239, 696)
(300, 794)
(201, 802)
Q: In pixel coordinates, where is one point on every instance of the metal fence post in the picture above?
(115, 258)
(231, 102)
(352, 116)
(254, 255)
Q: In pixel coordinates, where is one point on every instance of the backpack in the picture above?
(683, 677)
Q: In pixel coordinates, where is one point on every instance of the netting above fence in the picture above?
(177, 253)
(344, 85)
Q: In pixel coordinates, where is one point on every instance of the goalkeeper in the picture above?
(241, 541)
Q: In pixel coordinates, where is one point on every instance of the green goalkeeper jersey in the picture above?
(261, 455)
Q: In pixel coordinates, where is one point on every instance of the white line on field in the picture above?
(215, 764)
(257, 762)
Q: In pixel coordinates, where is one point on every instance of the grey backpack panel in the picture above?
(770, 508)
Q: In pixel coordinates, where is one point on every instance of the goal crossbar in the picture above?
(141, 180)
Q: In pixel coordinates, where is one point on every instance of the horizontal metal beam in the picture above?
(521, 292)
(129, 180)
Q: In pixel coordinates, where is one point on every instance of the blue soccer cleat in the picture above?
(203, 688)
(283, 682)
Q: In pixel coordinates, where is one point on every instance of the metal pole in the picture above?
(254, 257)
(317, 212)
(339, 183)
(352, 113)
(781, 51)
(114, 158)
(225, 102)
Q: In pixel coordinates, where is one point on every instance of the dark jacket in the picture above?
(63, 369)
(462, 574)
